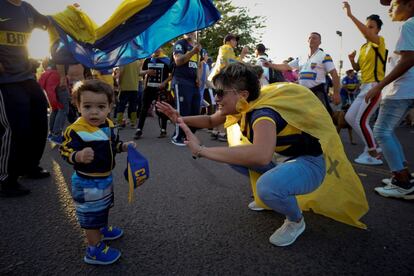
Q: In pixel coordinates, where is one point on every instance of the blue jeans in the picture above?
(391, 113)
(278, 186)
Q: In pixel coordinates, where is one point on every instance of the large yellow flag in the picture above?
(341, 195)
(81, 27)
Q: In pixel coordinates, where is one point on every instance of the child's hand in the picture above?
(126, 144)
(85, 156)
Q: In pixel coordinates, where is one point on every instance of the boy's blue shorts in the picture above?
(93, 197)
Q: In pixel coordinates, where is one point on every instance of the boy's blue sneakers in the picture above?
(110, 233)
(101, 254)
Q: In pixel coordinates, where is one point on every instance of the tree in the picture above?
(234, 20)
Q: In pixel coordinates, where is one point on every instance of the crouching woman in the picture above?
(264, 119)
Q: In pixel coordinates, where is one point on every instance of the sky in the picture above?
(288, 24)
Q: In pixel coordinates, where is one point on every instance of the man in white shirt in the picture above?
(397, 98)
(261, 58)
(313, 70)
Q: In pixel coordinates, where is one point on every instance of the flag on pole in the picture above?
(135, 30)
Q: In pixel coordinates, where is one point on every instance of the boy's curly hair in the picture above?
(95, 86)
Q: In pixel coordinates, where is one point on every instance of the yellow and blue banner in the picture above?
(135, 30)
(137, 171)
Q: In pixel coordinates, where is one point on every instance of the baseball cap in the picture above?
(261, 48)
(203, 52)
(229, 37)
(137, 170)
(385, 2)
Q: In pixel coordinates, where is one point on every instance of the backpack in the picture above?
(274, 75)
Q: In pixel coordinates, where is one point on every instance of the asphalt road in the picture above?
(191, 218)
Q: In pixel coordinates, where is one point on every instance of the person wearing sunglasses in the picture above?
(272, 120)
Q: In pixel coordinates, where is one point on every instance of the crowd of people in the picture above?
(195, 92)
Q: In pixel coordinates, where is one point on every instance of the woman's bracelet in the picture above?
(198, 153)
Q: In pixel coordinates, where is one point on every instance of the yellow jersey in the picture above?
(372, 60)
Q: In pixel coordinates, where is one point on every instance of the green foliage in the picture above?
(234, 20)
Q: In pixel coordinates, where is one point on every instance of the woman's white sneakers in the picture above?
(287, 233)
(254, 207)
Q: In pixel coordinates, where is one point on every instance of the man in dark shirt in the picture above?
(184, 81)
(23, 105)
(157, 74)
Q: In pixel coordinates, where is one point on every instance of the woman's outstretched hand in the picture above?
(168, 110)
(192, 142)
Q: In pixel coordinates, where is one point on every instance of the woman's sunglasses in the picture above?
(220, 93)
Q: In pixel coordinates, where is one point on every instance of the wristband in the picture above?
(197, 154)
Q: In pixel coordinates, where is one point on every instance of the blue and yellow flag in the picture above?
(341, 196)
(135, 30)
(137, 171)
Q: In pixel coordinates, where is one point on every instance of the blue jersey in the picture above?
(186, 73)
(16, 24)
(290, 141)
(350, 84)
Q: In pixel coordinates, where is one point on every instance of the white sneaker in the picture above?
(366, 159)
(387, 181)
(254, 207)
(287, 233)
(392, 190)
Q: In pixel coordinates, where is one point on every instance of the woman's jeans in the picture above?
(278, 185)
(391, 113)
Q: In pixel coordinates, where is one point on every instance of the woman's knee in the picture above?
(269, 190)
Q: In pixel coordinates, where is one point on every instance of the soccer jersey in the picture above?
(372, 60)
(102, 140)
(104, 75)
(225, 56)
(187, 72)
(313, 69)
(350, 84)
(290, 141)
(129, 77)
(16, 24)
(161, 66)
(265, 77)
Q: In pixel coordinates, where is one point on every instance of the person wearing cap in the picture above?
(397, 91)
(261, 57)
(371, 63)
(185, 81)
(226, 54)
(313, 70)
(350, 85)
